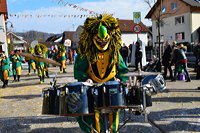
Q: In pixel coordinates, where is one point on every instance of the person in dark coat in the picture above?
(180, 60)
(130, 49)
(197, 56)
(166, 60)
(124, 51)
(138, 56)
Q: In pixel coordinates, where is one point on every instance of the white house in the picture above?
(3, 18)
(129, 37)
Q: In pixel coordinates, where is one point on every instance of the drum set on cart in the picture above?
(82, 98)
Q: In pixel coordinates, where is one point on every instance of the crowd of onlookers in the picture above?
(173, 61)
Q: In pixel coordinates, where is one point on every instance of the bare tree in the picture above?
(158, 18)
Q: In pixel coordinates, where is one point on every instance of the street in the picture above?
(176, 110)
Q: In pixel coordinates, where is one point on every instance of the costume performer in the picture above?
(62, 56)
(40, 51)
(46, 66)
(99, 60)
(16, 60)
(5, 69)
(31, 63)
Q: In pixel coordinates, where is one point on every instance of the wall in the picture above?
(195, 25)
(3, 34)
(170, 29)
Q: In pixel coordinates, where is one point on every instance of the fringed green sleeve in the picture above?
(80, 68)
(121, 70)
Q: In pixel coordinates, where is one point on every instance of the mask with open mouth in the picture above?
(102, 39)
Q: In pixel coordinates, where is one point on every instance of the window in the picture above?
(161, 38)
(174, 5)
(180, 36)
(179, 20)
(198, 1)
(163, 9)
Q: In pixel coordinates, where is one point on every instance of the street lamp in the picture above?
(1, 28)
(11, 25)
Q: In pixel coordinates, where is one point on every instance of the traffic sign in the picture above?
(136, 17)
(137, 28)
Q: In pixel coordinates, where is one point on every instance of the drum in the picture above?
(135, 97)
(110, 95)
(50, 101)
(155, 83)
(74, 99)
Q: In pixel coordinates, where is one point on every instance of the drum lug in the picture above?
(66, 90)
(104, 89)
(58, 92)
(82, 89)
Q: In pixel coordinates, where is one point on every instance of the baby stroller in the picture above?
(153, 66)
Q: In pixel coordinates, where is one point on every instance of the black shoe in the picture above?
(189, 80)
(173, 80)
(4, 86)
(137, 113)
(198, 88)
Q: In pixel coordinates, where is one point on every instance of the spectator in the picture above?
(180, 60)
(130, 49)
(138, 56)
(70, 54)
(153, 65)
(197, 56)
(124, 51)
(166, 60)
(74, 55)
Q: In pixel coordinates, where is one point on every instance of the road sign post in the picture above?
(137, 28)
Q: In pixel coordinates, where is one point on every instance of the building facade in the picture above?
(3, 18)
(179, 21)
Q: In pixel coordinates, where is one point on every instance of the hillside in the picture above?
(30, 36)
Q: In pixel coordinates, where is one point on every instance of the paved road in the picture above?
(175, 110)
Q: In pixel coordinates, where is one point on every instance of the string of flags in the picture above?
(49, 15)
(91, 13)
(74, 6)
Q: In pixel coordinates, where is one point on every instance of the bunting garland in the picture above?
(91, 13)
(49, 15)
(75, 6)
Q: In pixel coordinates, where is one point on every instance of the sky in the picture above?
(56, 16)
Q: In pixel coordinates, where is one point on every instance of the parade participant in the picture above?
(62, 56)
(16, 60)
(40, 51)
(31, 63)
(99, 60)
(4, 68)
(46, 66)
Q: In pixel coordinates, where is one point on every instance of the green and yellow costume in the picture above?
(41, 50)
(46, 66)
(99, 59)
(5, 70)
(16, 65)
(31, 63)
(62, 56)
